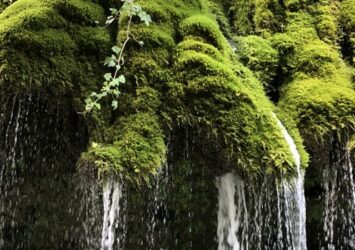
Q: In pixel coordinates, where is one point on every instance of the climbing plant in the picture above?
(110, 87)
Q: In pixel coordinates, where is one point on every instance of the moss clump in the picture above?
(131, 142)
(205, 88)
(226, 104)
(249, 17)
(137, 147)
(51, 46)
(326, 14)
(258, 55)
(320, 96)
(205, 29)
(348, 24)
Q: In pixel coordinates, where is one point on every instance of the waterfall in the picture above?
(295, 204)
(262, 214)
(339, 197)
(112, 193)
(232, 216)
(157, 217)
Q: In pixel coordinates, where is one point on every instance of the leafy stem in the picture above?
(110, 87)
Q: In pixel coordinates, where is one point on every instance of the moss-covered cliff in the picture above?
(186, 75)
(211, 73)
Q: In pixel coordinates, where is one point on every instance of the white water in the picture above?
(295, 204)
(339, 207)
(248, 217)
(228, 223)
(112, 193)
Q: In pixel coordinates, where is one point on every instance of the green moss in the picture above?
(327, 14)
(227, 104)
(131, 142)
(242, 13)
(200, 47)
(318, 106)
(204, 27)
(258, 55)
(318, 59)
(186, 56)
(351, 144)
(50, 45)
(348, 24)
(320, 96)
(136, 150)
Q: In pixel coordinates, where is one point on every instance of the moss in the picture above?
(351, 143)
(319, 107)
(131, 142)
(318, 59)
(327, 15)
(320, 96)
(348, 24)
(44, 47)
(242, 13)
(135, 152)
(258, 55)
(200, 47)
(204, 27)
(186, 56)
(227, 104)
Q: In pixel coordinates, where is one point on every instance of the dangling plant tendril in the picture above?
(110, 87)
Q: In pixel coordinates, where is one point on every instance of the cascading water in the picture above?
(339, 197)
(229, 213)
(112, 193)
(36, 169)
(295, 204)
(158, 218)
(256, 214)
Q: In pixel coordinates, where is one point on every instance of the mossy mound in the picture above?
(51, 46)
(258, 55)
(348, 24)
(298, 54)
(202, 87)
(320, 94)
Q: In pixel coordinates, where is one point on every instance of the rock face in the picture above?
(199, 102)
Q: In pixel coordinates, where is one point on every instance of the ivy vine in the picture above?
(110, 86)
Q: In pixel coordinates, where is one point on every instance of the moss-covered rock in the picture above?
(51, 45)
(320, 95)
(202, 85)
(258, 55)
(348, 24)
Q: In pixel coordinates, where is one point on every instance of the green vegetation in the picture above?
(186, 75)
(348, 24)
(51, 47)
(116, 60)
(320, 95)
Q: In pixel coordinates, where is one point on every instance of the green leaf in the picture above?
(114, 104)
(145, 17)
(98, 106)
(116, 49)
(114, 11)
(108, 76)
(114, 83)
(111, 64)
(122, 79)
(108, 60)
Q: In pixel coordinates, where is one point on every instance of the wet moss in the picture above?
(327, 20)
(203, 85)
(50, 45)
(320, 95)
(348, 24)
(134, 150)
(259, 56)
